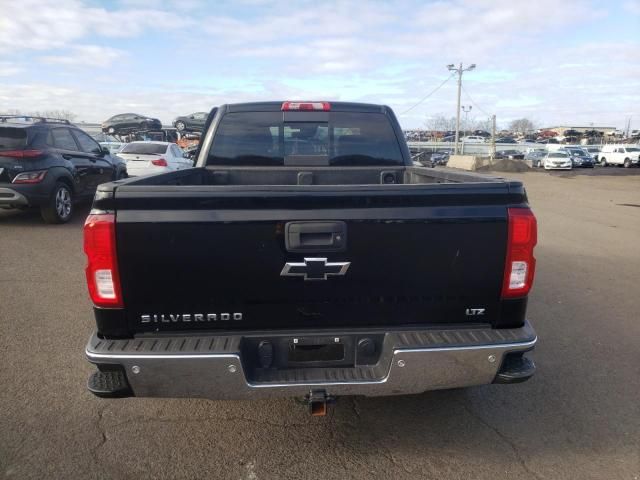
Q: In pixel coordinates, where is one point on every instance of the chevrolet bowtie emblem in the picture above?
(314, 269)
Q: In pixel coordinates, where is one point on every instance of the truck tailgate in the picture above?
(213, 257)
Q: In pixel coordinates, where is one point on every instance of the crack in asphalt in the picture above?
(386, 452)
(356, 407)
(505, 439)
(103, 435)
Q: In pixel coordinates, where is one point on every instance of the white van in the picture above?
(473, 139)
(626, 155)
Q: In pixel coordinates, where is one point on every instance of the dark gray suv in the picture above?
(51, 164)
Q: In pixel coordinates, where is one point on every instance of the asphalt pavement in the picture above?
(578, 418)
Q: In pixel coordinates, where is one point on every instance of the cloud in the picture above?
(393, 52)
(8, 69)
(86, 56)
(632, 6)
(47, 25)
(461, 28)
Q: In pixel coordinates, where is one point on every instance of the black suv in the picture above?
(50, 164)
(130, 123)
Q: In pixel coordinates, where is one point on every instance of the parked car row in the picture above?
(51, 164)
(587, 157)
(569, 136)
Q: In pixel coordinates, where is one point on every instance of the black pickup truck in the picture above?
(305, 255)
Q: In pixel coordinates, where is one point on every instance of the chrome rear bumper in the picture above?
(212, 366)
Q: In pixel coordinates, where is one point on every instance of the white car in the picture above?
(146, 158)
(629, 156)
(557, 161)
(472, 139)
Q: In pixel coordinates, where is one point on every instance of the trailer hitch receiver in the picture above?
(318, 401)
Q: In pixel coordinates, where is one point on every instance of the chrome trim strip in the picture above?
(123, 356)
(467, 347)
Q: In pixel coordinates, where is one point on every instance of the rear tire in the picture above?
(59, 208)
(180, 126)
(120, 175)
(627, 163)
(603, 162)
(111, 130)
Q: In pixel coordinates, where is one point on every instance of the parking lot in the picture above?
(579, 417)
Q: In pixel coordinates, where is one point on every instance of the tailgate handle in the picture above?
(316, 236)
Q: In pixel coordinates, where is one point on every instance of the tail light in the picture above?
(160, 162)
(30, 177)
(103, 279)
(321, 106)
(520, 264)
(21, 153)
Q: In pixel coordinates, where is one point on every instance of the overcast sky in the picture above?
(557, 62)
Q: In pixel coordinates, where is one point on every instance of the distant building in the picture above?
(561, 129)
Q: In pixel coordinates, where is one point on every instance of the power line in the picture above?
(428, 95)
(475, 103)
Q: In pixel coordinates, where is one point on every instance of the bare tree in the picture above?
(10, 111)
(485, 124)
(521, 125)
(62, 114)
(440, 123)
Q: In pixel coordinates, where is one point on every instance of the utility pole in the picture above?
(493, 138)
(459, 71)
(466, 110)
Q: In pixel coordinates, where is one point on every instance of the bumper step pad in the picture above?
(515, 369)
(111, 384)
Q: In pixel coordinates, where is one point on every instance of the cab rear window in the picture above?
(339, 138)
(12, 138)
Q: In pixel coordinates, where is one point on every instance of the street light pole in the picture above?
(466, 110)
(459, 71)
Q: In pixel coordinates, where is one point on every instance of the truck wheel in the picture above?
(627, 163)
(180, 126)
(59, 208)
(603, 162)
(111, 130)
